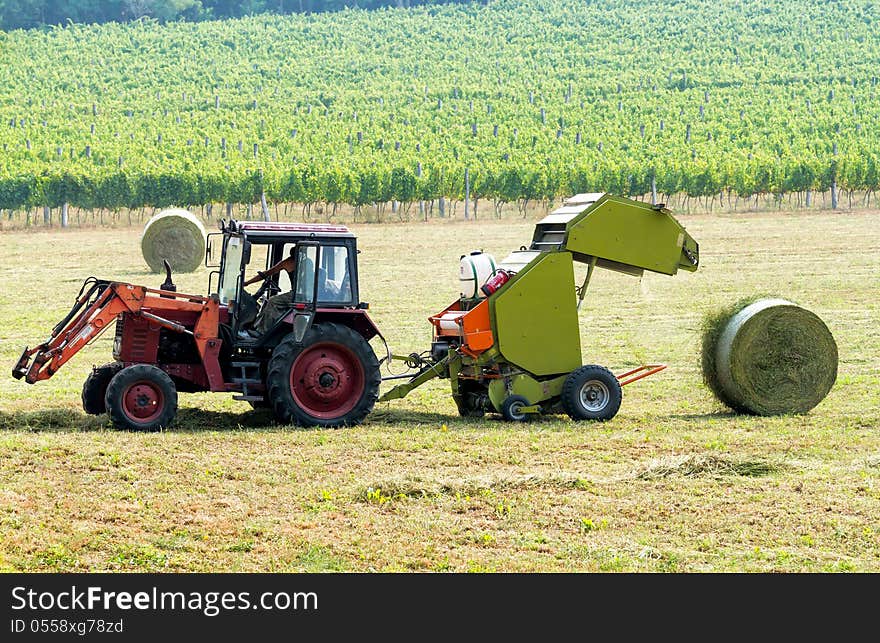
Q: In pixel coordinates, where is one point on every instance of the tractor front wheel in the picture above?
(95, 387)
(141, 398)
(330, 379)
(591, 393)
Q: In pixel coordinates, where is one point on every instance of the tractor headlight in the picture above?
(117, 340)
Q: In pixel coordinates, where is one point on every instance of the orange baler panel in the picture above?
(477, 329)
(471, 326)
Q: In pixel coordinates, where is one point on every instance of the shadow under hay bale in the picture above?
(768, 356)
(176, 235)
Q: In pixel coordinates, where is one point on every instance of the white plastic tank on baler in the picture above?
(473, 271)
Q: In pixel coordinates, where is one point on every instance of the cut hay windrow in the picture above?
(176, 235)
(768, 357)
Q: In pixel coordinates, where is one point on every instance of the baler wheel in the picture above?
(511, 408)
(95, 387)
(591, 393)
(331, 379)
(141, 398)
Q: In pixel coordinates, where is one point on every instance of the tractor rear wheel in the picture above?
(330, 379)
(95, 387)
(591, 393)
(141, 398)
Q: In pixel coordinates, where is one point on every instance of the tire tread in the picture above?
(278, 377)
(570, 396)
(129, 374)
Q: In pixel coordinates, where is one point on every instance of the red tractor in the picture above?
(313, 365)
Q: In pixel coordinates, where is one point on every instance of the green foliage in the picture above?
(536, 99)
(15, 14)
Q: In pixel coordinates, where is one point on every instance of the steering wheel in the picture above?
(249, 305)
(267, 288)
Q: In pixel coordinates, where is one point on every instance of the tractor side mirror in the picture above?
(209, 251)
(246, 253)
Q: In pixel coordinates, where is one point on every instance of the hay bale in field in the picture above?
(176, 235)
(768, 357)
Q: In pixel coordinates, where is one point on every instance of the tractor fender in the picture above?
(355, 318)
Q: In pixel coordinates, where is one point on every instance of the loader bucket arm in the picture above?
(95, 309)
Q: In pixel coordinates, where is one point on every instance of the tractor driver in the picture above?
(277, 305)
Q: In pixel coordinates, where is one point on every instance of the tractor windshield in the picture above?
(231, 269)
(334, 282)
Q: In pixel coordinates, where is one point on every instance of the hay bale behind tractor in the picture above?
(768, 357)
(176, 235)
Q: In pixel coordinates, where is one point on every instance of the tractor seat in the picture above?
(246, 309)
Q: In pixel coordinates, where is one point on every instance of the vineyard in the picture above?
(505, 103)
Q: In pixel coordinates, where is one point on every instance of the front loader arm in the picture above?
(83, 323)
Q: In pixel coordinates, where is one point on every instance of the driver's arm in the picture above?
(287, 263)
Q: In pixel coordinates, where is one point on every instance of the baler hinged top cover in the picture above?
(622, 234)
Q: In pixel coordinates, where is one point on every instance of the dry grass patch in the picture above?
(417, 487)
(706, 465)
(670, 484)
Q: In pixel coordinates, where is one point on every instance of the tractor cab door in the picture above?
(231, 268)
(236, 255)
(305, 286)
(335, 271)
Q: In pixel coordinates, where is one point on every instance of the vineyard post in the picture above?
(263, 205)
(64, 214)
(467, 193)
(47, 215)
(834, 177)
(422, 211)
(653, 188)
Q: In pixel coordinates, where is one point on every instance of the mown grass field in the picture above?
(673, 484)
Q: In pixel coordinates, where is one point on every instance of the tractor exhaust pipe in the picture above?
(168, 284)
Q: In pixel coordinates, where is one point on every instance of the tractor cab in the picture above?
(323, 276)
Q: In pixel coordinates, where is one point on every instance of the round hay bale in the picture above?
(176, 235)
(768, 357)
